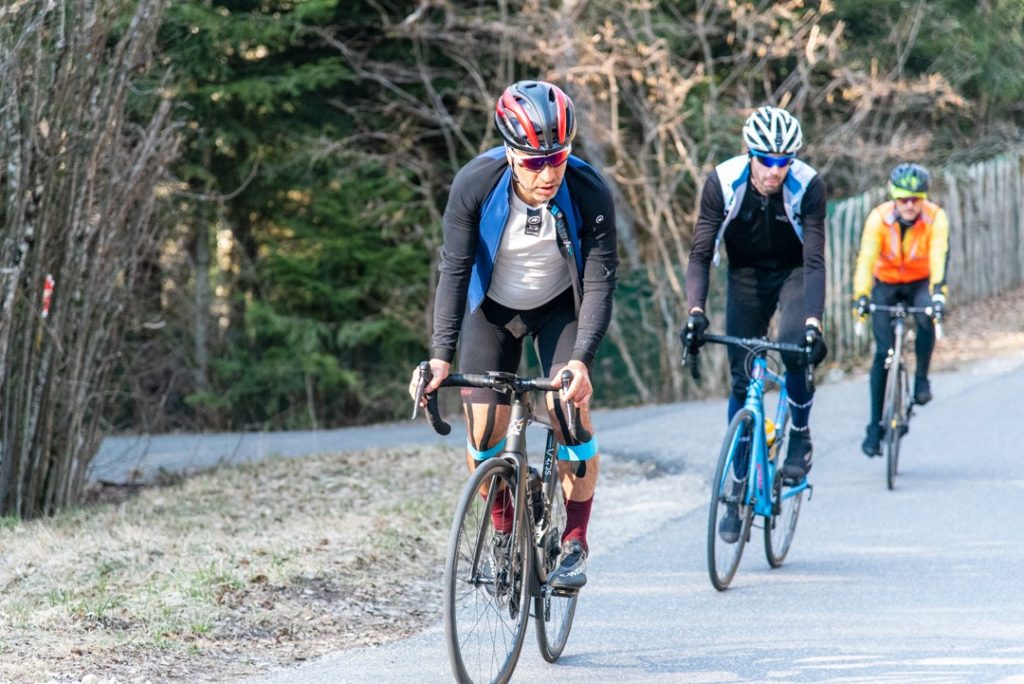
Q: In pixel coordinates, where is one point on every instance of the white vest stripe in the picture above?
(732, 176)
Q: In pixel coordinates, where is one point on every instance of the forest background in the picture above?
(226, 215)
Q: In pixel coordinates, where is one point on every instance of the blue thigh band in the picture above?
(580, 452)
(484, 455)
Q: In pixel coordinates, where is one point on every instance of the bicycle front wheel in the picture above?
(730, 514)
(485, 580)
(780, 528)
(892, 418)
(553, 609)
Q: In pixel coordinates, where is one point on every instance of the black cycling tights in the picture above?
(753, 297)
(888, 294)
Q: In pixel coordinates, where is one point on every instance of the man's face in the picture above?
(538, 186)
(768, 171)
(909, 208)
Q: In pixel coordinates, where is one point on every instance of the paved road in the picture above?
(142, 459)
(919, 584)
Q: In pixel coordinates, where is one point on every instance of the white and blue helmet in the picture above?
(771, 130)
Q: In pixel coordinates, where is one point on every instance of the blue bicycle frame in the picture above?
(758, 489)
(764, 491)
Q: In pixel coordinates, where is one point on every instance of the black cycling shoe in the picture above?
(729, 526)
(922, 391)
(872, 444)
(798, 455)
(571, 573)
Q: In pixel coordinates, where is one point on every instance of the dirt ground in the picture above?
(235, 571)
(231, 572)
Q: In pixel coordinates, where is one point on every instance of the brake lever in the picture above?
(421, 387)
(809, 369)
(691, 363)
(568, 408)
(938, 325)
(687, 353)
(571, 412)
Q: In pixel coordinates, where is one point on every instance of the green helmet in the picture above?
(908, 180)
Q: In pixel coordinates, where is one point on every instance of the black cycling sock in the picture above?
(800, 400)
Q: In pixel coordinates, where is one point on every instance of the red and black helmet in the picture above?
(535, 117)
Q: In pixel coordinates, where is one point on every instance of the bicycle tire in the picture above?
(781, 526)
(729, 489)
(553, 610)
(892, 418)
(905, 407)
(485, 617)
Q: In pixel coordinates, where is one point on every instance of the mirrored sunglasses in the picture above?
(908, 200)
(538, 162)
(773, 162)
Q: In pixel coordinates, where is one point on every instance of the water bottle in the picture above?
(769, 433)
(536, 492)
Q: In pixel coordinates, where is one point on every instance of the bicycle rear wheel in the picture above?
(780, 528)
(728, 500)
(485, 582)
(554, 610)
(892, 418)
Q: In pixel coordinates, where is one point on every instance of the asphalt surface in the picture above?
(917, 584)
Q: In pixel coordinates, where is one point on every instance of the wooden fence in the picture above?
(985, 203)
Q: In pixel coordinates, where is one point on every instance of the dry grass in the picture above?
(238, 570)
(230, 572)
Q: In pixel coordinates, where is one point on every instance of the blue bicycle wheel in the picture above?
(730, 513)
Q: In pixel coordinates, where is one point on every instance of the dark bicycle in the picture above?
(898, 406)
(490, 576)
(748, 477)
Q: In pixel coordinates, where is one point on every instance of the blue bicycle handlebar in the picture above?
(754, 344)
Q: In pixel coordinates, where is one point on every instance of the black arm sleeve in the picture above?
(600, 265)
(709, 221)
(814, 213)
(461, 226)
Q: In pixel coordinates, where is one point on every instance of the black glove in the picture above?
(863, 303)
(815, 341)
(938, 306)
(692, 334)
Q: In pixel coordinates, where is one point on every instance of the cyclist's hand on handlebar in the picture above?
(815, 342)
(939, 310)
(580, 391)
(692, 334)
(862, 307)
(438, 372)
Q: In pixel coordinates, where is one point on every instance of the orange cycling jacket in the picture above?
(922, 253)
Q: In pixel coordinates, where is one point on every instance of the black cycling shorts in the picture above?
(492, 340)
